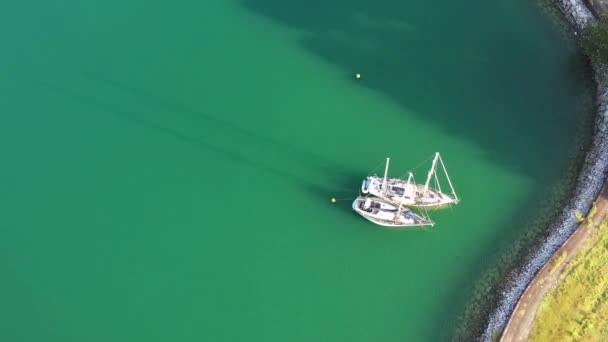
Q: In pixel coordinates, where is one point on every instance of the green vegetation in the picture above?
(577, 309)
(591, 213)
(558, 261)
(595, 43)
(579, 216)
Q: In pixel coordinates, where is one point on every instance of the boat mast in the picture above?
(437, 184)
(398, 215)
(431, 171)
(448, 178)
(410, 178)
(384, 181)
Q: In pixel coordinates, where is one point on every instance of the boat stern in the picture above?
(365, 185)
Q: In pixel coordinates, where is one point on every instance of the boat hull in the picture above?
(387, 215)
(365, 186)
(399, 192)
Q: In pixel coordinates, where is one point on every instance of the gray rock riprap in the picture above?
(589, 185)
(576, 12)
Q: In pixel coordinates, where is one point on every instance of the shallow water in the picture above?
(167, 168)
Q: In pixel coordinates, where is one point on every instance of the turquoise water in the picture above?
(167, 167)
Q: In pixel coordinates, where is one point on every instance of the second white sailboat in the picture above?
(408, 192)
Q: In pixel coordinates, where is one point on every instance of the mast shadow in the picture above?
(197, 142)
(343, 183)
(326, 166)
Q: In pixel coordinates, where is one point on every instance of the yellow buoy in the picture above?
(333, 200)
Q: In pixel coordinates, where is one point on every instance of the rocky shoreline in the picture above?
(588, 186)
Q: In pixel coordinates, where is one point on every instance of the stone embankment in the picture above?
(589, 185)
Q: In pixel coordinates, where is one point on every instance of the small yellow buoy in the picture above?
(357, 76)
(333, 200)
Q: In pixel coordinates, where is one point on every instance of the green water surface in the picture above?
(166, 167)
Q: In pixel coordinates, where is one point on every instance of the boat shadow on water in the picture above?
(342, 182)
(231, 129)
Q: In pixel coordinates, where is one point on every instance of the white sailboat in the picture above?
(386, 214)
(408, 192)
